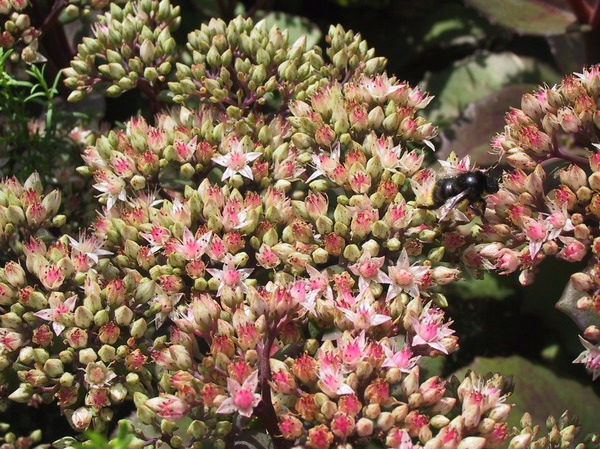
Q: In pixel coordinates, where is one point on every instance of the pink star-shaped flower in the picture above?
(242, 398)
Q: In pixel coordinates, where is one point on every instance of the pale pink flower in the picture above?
(57, 309)
(97, 374)
(380, 86)
(400, 439)
(233, 215)
(404, 359)
(242, 398)
(230, 276)
(368, 269)
(236, 160)
(590, 357)
(331, 377)
(91, 246)
(184, 150)
(430, 329)
(389, 155)
(266, 257)
(573, 250)
(422, 184)
(536, 232)
(319, 282)
(365, 313)
(167, 306)
(10, 340)
(303, 294)
(352, 349)
(92, 158)
(405, 277)
(51, 276)
(558, 221)
(478, 396)
(81, 418)
(192, 248)
(157, 237)
(111, 187)
(168, 407)
(326, 163)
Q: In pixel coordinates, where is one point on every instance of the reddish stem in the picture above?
(265, 410)
(581, 10)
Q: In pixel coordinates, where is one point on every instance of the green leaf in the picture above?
(541, 392)
(453, 24)
(568, 305)
(296, 26)
(536, 17)
(476, 77)
(471, 133)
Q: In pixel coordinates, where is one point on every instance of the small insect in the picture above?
(461, 183)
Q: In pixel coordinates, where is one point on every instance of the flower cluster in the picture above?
(131, 47)
(536, 214)
(266, 257)
(25, 211)
(17, 32)
(242, 66)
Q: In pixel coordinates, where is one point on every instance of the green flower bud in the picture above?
(145, 290)
(15, 214)
(126, 83)
(380, 229)
(200, 284)
(113, 57)
(101, 317)
(138, 328)
(325, 225)
(54, 368)
(376, 117)
(187, 171)
(114, 91)
(147, 52)
(67, 356)
(197, 429)
(107, 353)
(87, 355)
(439, 299)
(93, 46)
(151, 74)
(436, 254)
(123, 316)
(341, 214)
(81, 67)
(145, 415)
(83, 317)
(67, 380)
(116, 70)
(352, 253)
(320, 256)
(26, 355)
(40, 355)
(21, 394)
(59, 221)
(76, 95)
(164, 68)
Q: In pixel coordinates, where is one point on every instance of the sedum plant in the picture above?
(264, 266)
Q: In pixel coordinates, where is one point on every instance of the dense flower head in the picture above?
(119, 55)
(540, 212)
(282, 264)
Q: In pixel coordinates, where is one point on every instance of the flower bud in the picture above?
(472, 443)
(364, 427)
(521, 441)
